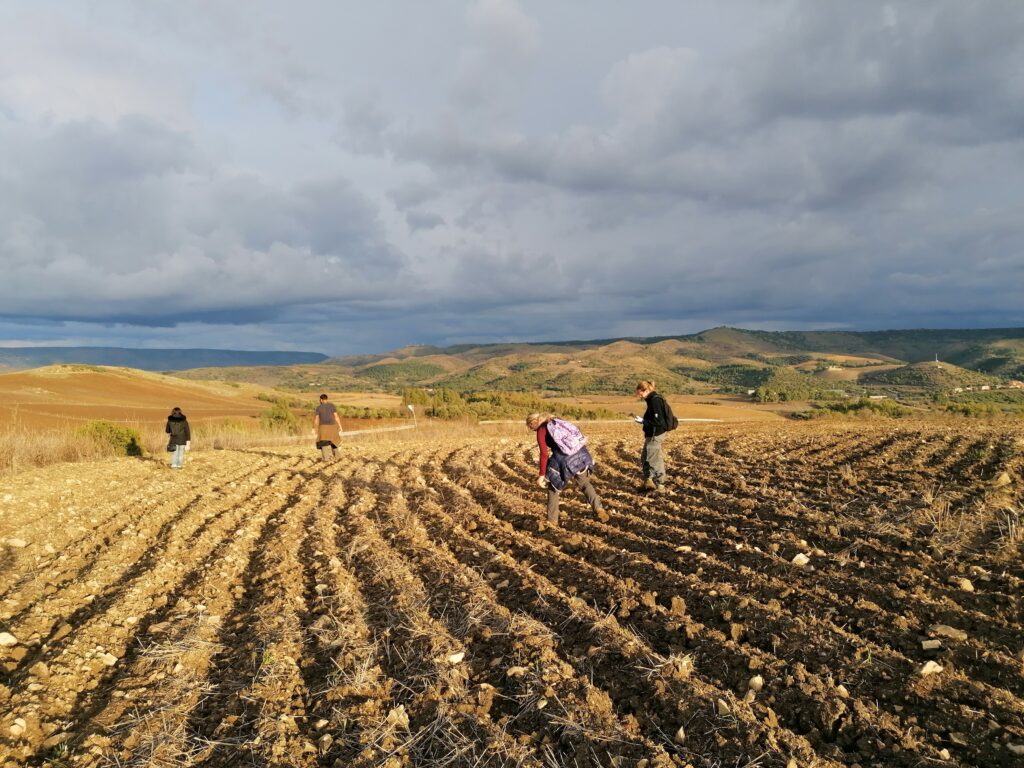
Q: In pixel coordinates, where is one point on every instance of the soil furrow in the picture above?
(834, 648)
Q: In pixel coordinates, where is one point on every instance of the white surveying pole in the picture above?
(412, 410)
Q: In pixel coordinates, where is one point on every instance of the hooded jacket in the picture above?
(177, 428)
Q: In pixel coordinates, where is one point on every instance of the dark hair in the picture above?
(323, 397)
(175, 410)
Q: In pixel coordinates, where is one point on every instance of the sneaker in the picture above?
(649, 485)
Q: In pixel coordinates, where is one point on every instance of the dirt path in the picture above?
(404, 606)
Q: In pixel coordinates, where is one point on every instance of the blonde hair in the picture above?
(645, 385)
(534, 420)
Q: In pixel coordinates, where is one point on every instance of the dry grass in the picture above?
(22, 448)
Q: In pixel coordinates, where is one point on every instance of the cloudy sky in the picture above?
(352, 177)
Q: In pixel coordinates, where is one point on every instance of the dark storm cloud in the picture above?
(418, 220)
(130, 222)
(510, 169)
(851, 166)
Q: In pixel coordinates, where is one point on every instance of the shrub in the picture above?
(973, 410)
(123, 441)
(449, 404)
(279, 418)
(861, 407)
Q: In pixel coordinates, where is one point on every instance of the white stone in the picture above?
(756, 683)
(17, 543)
(930, 668)
(7, 640)
(1017, 749)
(398, 718)
(18, 727)
(801, 559)
(455, 658)
(680, 736)
(109, 659)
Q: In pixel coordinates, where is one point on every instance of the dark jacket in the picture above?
(177, 428)
(656, 415)
(562, 468)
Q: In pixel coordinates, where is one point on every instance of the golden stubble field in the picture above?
(402, 606)
(61, 396)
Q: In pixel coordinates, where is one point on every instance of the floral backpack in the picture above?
(567, 436)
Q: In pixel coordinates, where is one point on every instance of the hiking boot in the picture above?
(660, 489)
(649, 485)
(603, 516)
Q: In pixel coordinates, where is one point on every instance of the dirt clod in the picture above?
(944, 630)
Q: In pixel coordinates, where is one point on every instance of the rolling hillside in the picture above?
(66, 395)
(716, 360)
(930, 376)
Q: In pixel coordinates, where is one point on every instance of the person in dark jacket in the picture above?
(557, 469)
(655, 424)
(180, 439)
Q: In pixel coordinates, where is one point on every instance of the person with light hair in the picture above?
(557, 468)
(656, 422)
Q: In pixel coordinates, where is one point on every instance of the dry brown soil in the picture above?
(403, 606)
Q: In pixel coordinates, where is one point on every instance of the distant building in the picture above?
(878, 397)
(1015, 384)
(985, 387)
(957, 390)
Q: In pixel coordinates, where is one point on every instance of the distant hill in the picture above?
(1004, 357)
(23, 358)
(933, 377)
(789, 364)
(73, 394)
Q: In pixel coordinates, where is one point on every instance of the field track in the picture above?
(403, 606)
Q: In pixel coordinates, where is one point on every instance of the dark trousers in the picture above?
(583, 481)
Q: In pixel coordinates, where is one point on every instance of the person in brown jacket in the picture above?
(327, 427)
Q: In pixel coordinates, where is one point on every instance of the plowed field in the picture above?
(403, 606)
